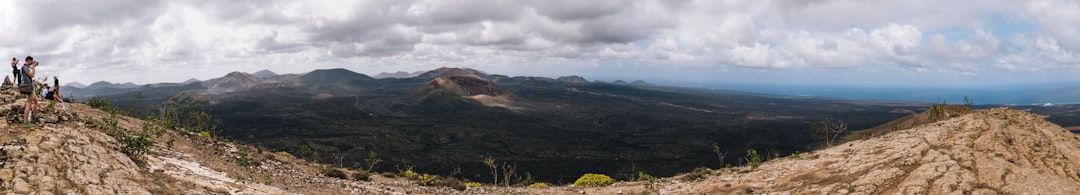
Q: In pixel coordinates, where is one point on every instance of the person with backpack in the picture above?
(15, 69)
(26, 86)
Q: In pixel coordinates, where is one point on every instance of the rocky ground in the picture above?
(995, 151)
(65, 152)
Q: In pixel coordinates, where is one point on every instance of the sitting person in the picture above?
(50, 93)
(56, 91)
(46, 92)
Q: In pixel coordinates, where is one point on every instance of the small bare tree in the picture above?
(490, 162)
(719, 154)
(508, 172)
(340, 158)
(829, 130)
(372, 160)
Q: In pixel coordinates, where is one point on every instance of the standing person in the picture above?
(15, 69)
(27, 78)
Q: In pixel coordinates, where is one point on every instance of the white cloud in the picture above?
(161, 41)
(1057, 19)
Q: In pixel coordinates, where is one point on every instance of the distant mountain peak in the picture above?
(106, 84)
(445, 71)
(398, 74)
(641, 83)
(192, 80)
(75, 84)
(572, 79)
(467, 86)
(336, 74)
(234, 81)
(263, 74)
(238, 74)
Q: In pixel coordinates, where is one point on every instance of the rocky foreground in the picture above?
(995, 151)
(68, 152)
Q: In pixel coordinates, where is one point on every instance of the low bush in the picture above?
(592, 180)
(361, 175)
(426, 179)
(753, 158)
(333, 172)
(133, 142)
(206, 135)
(650, 181)
(410, 174)
(698, 174)
(473, 184)
(451, 182)
(538, 185)
(284, 153)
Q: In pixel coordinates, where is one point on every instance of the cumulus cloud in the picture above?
(162, 41)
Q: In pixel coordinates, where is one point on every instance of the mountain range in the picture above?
(451, 119)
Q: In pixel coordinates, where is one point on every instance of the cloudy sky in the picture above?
(842, 42)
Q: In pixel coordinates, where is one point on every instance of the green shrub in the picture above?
(450, 182)
(650, 181)
(361, 175)
(244, 161)
(409, 174)
(473, 184)
(426, 179)
(206, 135)
(538, 185)
(753, 158)
(284, 153)
(333, 172)
(133, 142)
(592, 180)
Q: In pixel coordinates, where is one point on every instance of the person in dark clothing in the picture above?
(56, 90)
(52, 92)
(15, 70)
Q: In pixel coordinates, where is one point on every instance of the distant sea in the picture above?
(1018, 94)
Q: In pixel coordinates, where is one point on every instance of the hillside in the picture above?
(991, 151)
(994, 151)
(450, 118)
(453, 117)
(69, 152)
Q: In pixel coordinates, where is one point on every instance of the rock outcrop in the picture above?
(69, 150)
(8, 84)
(995, 151)
(466, 86)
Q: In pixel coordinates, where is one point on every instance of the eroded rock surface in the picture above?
(991, 151)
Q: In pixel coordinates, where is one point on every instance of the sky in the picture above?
(828, 42)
